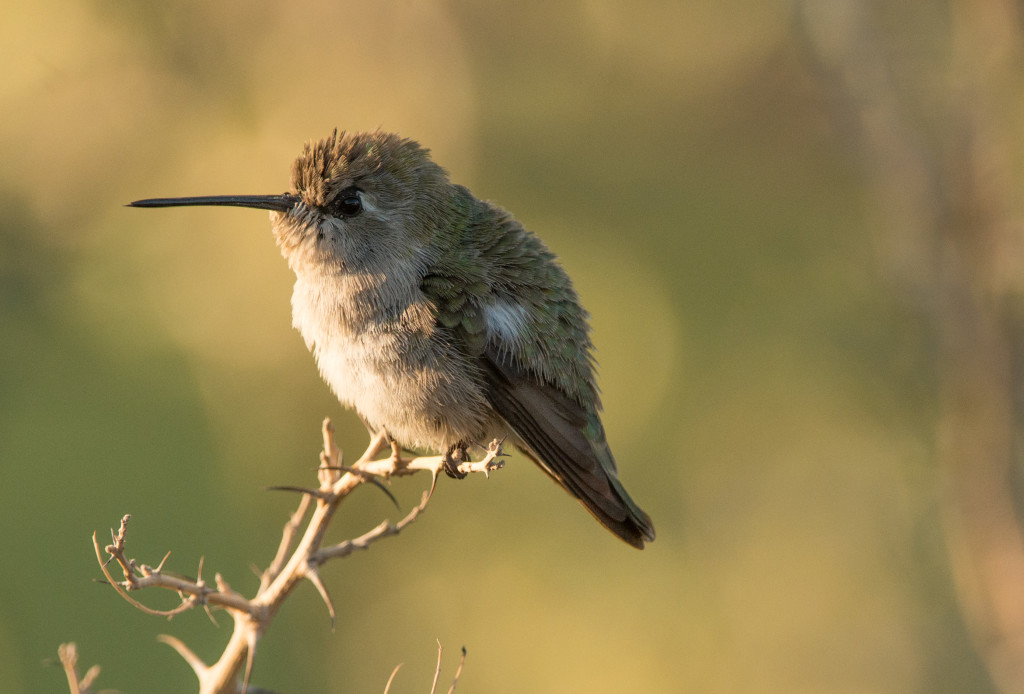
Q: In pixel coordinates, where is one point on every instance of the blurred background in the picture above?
(796, 225)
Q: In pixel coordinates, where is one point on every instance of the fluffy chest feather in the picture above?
(378, 347)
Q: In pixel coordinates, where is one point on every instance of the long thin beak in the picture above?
(280, 203)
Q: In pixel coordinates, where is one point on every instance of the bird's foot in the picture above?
(452, 459)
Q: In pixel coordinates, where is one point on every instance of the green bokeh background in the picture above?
(768, 396)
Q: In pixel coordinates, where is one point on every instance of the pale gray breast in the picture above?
(379, 349)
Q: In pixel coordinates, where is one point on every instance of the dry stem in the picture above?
(298, 556)
(78, 684)
(437, 672)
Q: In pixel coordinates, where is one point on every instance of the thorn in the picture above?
(160, 566)
(380, 485)
(250, 657)
(391, 679)
(314, 577)
(433, 485)
(222, 585)
(194, 662)
(209, 613)
(371, 478)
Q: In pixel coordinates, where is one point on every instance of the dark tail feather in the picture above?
(611, 506)
(553, 430)
(636, 528)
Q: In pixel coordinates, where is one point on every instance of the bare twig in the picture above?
(68, 654)
(387, 687)
(458, 671)
(139, 576)
(298, 556)
(437, 671)
(194, 661)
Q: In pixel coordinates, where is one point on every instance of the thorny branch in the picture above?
(299, 556)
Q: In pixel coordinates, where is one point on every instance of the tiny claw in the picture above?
(451, 468)
(452, 458)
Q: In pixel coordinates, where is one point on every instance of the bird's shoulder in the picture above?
(498, 293)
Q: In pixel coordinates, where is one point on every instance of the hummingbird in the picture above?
(438, 317)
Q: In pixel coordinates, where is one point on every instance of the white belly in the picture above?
(392, 365)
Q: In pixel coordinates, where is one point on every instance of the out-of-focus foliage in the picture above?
(769, 393)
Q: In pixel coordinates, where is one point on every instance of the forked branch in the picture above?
(78, 684)
(299, 555)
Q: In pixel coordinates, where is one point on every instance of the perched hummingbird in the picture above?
(438, 316)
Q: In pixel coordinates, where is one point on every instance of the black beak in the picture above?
(279, 203)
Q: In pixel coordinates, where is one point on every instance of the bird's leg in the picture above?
(452, 458)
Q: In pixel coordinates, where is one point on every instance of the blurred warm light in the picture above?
(780, 218)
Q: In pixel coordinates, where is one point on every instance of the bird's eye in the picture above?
(348, 203)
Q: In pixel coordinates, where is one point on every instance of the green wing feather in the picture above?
(541, 384)
(568, 443)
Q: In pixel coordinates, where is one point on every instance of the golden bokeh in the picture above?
(796, 227)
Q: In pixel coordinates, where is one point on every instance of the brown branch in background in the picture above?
(78, 684)
(954, 245)
(387, 687)
(299, 556)
(458, 671)
(437, 672)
